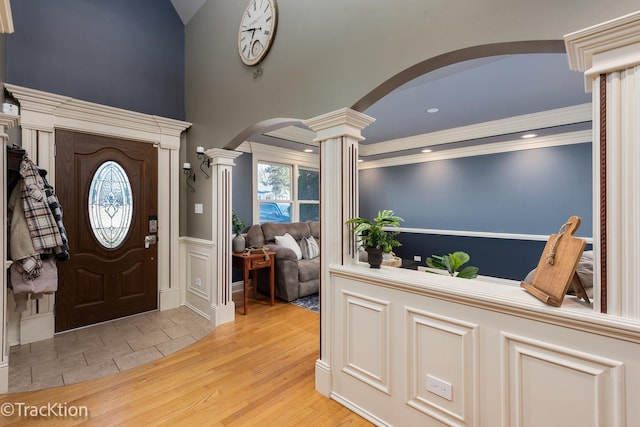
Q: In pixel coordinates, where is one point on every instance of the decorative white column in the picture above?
(609, 55)
(338, 133)
(222, 305)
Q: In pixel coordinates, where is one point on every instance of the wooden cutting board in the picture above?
(557, 266)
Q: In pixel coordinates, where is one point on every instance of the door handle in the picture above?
(151, 239)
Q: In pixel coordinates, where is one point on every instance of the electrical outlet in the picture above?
(417, 258)
(439, 387)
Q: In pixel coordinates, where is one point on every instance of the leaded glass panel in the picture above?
(110, 204)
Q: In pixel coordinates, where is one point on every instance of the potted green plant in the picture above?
(373, 237)
(237, 225)
(452, 262)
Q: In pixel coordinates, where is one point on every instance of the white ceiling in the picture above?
(480, 101)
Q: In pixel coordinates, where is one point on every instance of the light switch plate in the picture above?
(198, 208)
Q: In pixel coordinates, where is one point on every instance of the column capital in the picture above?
(342, 122)
(606, 47)
(220, 156)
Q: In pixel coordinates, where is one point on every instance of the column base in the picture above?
(223, 314)
(323, 378)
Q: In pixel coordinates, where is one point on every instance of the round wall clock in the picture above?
(257, 30)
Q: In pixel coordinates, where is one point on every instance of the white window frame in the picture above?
(262, 153)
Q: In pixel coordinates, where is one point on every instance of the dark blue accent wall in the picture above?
(529, 191)
(523, 192)
(242, 196)
(122, 53)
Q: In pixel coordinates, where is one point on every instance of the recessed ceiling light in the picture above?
(432, 110)
(529, 135)
(426, 150)
(308, 150)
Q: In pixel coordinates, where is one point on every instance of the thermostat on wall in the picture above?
(10, 109)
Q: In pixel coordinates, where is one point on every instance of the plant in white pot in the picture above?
(237, 225)
(373, 237)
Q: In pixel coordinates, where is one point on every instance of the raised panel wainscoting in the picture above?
(401, 337)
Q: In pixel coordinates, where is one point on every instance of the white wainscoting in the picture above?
(198, 276)
(196, 270)
(510, 359)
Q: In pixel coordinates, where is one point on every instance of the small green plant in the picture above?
(237, 224)
(452, 262)
(371, 233)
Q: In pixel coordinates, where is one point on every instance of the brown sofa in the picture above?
(293, 278)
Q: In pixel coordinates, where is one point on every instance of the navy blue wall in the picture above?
(122, 53)
(242, 196)
(523, 192)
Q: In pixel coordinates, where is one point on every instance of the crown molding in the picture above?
(583, 45)
(545, 119)
(296, 134)
(45, 111)
(281, 155)
(568, 138)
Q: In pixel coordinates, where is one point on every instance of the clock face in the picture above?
(257, 29)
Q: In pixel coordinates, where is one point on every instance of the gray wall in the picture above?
(122, 53)
(522, 192)
(331, 54)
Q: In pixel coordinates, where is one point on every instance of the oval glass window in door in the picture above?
(110, 204)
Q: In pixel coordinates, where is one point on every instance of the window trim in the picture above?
(262, 153)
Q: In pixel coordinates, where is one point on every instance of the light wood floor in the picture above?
(258, 370)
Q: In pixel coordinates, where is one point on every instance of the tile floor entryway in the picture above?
(103, 349)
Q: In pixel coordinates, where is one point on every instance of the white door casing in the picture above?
(40, 114)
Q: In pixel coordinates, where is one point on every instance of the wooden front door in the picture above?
(108, 190)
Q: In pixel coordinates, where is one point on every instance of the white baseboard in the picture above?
(358, 410)
(198, 311)
(169, 298)
(224, 314)
(323, 378)
(4, 378)
(36, 328)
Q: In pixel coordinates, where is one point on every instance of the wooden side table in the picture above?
(253, 262)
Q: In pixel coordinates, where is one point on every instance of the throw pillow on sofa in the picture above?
(309, 247)
(289, 242)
